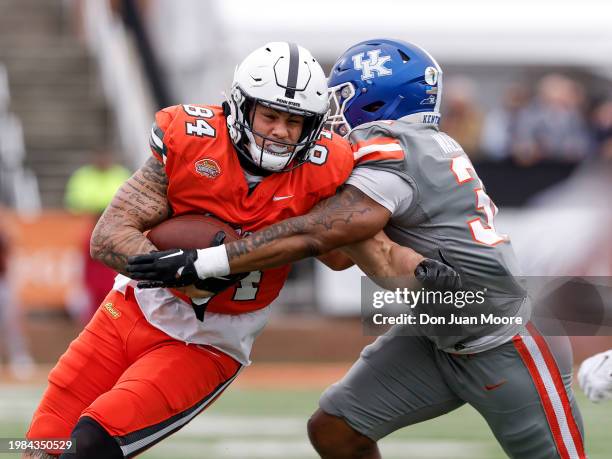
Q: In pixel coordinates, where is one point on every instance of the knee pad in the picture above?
(92, 442)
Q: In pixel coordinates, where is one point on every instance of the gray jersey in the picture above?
(448, 216)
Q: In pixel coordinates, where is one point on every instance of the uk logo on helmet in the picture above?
(374, 63)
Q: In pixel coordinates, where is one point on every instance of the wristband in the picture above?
(212, 262)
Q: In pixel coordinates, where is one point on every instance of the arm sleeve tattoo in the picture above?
(349, 216)
(138, 205)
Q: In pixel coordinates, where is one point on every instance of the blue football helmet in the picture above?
(382, 80)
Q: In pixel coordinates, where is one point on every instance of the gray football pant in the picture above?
(521, 388)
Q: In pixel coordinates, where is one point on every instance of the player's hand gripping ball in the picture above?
(173, 267)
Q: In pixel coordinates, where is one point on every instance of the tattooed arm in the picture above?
(138, 205)
(350, 221)
(349, 216)
(341, 222)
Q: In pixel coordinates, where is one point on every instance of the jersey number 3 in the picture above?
(481, 232)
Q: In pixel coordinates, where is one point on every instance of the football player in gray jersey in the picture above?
(417, 183)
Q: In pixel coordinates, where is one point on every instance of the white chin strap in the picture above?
(274, 158)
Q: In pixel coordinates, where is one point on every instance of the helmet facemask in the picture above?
(273, 155)
(339, 96)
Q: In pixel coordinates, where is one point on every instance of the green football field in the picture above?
(247, 423)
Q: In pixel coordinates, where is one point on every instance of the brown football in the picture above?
(190, 231)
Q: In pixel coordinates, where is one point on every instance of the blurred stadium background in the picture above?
(527, 92)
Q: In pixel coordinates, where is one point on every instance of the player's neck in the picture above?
(251, 168)
(252, 174)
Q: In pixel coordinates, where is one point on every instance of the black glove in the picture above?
(218, 284)
(436, 275)
(175, 268)
(169, 268)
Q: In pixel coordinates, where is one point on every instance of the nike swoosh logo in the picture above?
(495, 386)
(176, 254)
(280, 198)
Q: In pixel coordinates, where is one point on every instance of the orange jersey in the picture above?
(130, 364)
(205, 176)
(133, 379)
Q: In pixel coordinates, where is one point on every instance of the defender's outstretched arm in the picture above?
(344, 219)
(348, 217)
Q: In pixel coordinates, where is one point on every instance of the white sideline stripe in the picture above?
(130, 448)
(396, 448)
(215, 426)
(239, 448)
(372, 148)
(551, 390)
(15, 409)
(157, 140)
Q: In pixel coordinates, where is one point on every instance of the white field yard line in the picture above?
(207, 425)
(396, 448)
(14, 409)
(231, 436)
(281, 437)
(300, 448)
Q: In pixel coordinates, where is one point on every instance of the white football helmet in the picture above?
(595, 376)
(285, 77)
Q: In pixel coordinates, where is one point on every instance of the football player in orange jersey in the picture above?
(131, 378)
(417, 182)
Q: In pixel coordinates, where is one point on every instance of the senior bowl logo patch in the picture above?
(112, 311)
(208, 167)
